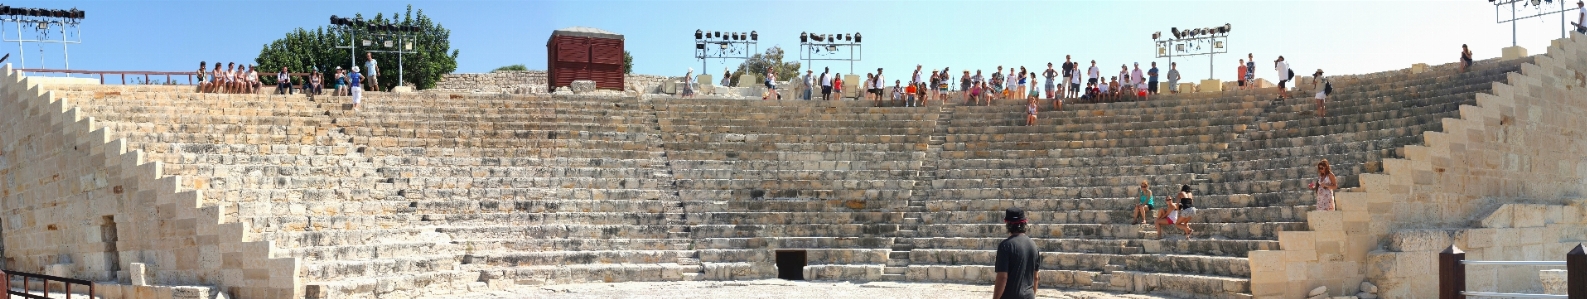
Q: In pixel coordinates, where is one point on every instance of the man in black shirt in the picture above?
(1017, 260)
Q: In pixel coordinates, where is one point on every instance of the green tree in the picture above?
(758, 64)
(628, 63)
(303, 50)
(510, 68)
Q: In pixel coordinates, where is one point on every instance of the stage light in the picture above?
(1217, 44)
(848, 37)
(724, 45)
(1174, 31)
(817, 37)
(78, 14)
(755, 36)
(1179, 47)
(697, 34)
(856, 37)
(804, 37)
(699, 46)
(1226, 28)
(831, 48)
(1157, 35)
(367, 42)
(716, 34)
(333, 20)
(409, 45)
(388, 44)
(1161, 50)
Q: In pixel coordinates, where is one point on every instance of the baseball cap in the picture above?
(1014, 215)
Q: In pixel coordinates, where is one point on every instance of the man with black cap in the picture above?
(1017, 260)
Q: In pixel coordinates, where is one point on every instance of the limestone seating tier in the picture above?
(555, 189)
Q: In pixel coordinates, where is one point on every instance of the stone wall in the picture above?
(530, 82)
(1523, 143)
(81, 205)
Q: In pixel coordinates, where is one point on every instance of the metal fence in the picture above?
(1452, 274)
(27, 278)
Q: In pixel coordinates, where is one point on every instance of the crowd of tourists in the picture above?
(236, 78)
(243, 79)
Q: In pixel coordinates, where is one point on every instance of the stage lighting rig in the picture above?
(1192, 42)
(49, 26)
(393, 38)
(1537, 11)
(729, 45)
(829, 47)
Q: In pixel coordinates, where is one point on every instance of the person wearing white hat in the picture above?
(358, 91)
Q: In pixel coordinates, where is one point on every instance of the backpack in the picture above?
(1291, 75)
(1328, 88)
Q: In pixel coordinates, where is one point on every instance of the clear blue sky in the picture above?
(1341, 37)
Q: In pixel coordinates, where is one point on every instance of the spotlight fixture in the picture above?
(1217, 44)
(724, 45)
(856, 37)
(697, 34)
(367, 42)
(1157, 35)
(754, 35)
(818, 37)
(1225, 29)
(1174, 31)
(699, 46)
(831, 48)
(1161, 50)
(804, 37)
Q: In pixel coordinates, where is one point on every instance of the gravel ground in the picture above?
(775, 288)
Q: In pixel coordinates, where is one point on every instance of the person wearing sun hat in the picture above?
(1017, 259)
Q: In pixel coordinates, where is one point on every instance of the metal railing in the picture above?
(1452, 274)
(26, 292)
(147, 75)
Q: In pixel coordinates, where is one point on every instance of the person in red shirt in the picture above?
(1242, 75)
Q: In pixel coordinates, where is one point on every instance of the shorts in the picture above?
(1187, 211)
(964, 86)
(1152, 86)
(1321, 96)
(1242, 83)
(826, 90)
(1149, 207)
(1169, 219)
(1074, 86)
(1281, 83)
(771, 86)
(1092, 81)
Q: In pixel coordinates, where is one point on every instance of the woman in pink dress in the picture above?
(1325, 185)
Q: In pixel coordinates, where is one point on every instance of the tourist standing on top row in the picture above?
(1284, 74)
(374, 71)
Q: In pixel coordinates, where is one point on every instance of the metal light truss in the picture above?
(724, 45)
(400, 39)
(1532, 3)
(830, 47)
(1195, 46)
(42, 21)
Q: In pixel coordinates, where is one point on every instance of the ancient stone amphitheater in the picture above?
(155, 189)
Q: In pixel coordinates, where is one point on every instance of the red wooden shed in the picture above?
(583, 53)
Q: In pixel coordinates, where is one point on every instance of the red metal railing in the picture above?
(26, 292)
(147, 75)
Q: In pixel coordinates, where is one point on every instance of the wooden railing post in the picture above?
(1576, 273)
(1451, 273)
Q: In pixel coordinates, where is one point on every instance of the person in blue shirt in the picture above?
(355, 78)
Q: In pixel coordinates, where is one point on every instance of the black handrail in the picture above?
(5, 281)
